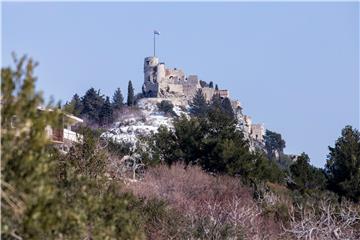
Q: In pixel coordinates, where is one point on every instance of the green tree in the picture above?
(273, 143)
(343, 164)
(224, 148)
(92, 103)
(117, 100)
(203, 84)
(211, 84)
(199, 106)
(227, 108)
(130, 97)
(74, 106)
(215, 144)
(106, 113)
(167, 107)
(306, 176)
(216, 87)
(27, 185)
(161, 145)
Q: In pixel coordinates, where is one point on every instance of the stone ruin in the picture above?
(162, 82)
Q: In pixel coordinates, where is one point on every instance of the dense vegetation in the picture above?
(97, 109)
(198, 180)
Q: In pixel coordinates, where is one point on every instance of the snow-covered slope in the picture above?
(146, 118)
(141, 121)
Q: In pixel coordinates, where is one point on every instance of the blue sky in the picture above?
(293, 66)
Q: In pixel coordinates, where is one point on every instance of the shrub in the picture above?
(211, 207)
(166, 107)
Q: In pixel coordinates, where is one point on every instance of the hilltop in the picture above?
(162, 84)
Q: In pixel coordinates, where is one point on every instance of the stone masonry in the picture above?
(163, 82)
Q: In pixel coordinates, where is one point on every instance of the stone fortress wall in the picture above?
(162, 82)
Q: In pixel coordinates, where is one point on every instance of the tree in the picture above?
(215, 144)
(92, 103)
(167, 107)
(216, 88)
(77, 105)
(74, 106)
(162, 145)
(203, 83)
(211, 84)
(27, 186)
(227, 108)
(343, 164)
(306, 176)
(130, 97)
(117, 100)
(199, 106)
(273, 143)
(106, 113)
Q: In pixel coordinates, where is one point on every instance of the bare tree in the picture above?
(325, 220)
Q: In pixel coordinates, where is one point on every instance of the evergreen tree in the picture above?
(77, 105)
(199, 106)
(27, 184)
(216, 102)
(273, 143)
(117, 100)
(130, 97)
(106, 113)
(222, 105)
(306, 176)
(203, 84)
(167, 107)
(74, 106)
(227, 108)
(92, 103)
(215, 144)
(343, 164)
(211, 84)
(216, 87)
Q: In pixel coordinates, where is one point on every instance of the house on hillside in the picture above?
(64, 135)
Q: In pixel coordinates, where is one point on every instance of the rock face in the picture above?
(161, 83)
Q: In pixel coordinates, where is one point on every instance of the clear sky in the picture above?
(293, 66)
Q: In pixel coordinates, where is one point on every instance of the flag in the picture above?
(156, 32)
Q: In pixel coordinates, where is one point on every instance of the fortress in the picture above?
(161, 82)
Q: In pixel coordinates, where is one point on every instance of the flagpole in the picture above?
(154, 43)
(155, 33)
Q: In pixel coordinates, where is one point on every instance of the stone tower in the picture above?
(154, 73)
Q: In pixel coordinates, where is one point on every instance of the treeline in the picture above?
(210, 138)
(98, 109)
